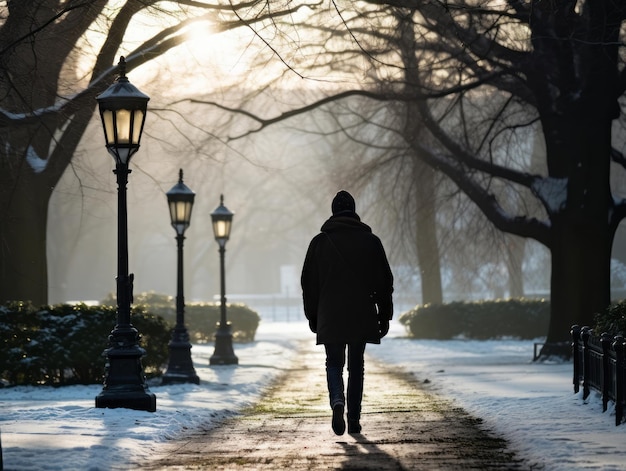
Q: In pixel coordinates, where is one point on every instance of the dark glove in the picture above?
(383, 326)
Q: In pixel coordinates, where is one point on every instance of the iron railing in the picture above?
(600, 364)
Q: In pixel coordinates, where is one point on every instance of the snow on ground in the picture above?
(532, 405)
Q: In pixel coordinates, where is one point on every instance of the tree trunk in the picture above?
(23, 266)
(580, 281)
(581, 230)
(514, 260)
(426, 234)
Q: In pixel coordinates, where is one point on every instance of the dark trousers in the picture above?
(335, 361)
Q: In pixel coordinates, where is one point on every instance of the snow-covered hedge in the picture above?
(517, 318)
(63, 344)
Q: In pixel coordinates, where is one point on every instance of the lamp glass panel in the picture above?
(137, 125)
(221, 229)
(173, 211)
(180, 212)
(109, 126)
(123, 126)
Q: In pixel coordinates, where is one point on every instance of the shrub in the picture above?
(519, 318)
(63, 344)
(201, 319)
(18, 326)
(612, 320)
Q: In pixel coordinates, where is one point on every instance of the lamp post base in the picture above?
(124, 382)
(224, 353)
(137, 400)
(180, 367)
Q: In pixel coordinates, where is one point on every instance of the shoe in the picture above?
(354, 426)
(339, 424)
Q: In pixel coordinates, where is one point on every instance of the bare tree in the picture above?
(55, 57)
(556, 65)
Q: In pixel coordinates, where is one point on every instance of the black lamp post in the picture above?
(180, 367)
(123, 112)
(222, 220)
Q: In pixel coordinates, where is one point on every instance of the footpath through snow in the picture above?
(404, 428)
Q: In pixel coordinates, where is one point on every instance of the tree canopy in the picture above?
(472, 85)
(485, 80)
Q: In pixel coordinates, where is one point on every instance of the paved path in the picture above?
(404, 428)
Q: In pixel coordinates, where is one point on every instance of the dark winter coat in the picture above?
(345, 270)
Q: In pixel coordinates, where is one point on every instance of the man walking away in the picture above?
(347, 288)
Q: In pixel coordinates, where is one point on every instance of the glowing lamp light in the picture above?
(222, 220)
(180, 199)
(123, 113)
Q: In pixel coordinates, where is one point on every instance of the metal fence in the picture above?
(600, 364)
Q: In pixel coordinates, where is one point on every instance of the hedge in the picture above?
(201, 319)
(517, 318)
(64, 344)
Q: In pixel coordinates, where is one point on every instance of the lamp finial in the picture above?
(180, 175)
(122, 68)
